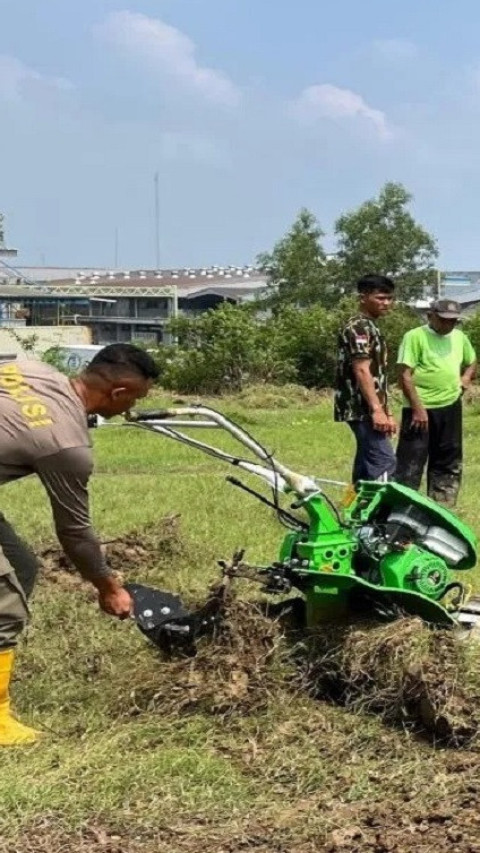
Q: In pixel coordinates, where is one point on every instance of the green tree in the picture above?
(298, 271)
(382, 236)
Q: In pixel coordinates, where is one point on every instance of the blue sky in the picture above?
(247, 109)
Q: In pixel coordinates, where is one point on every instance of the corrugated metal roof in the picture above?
(21, 291)
(466, 297)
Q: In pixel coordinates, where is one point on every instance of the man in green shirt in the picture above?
(436, 362)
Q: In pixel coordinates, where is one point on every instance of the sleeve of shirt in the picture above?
(469, 355)
(357, 339)
(65, 476)
(407, 353)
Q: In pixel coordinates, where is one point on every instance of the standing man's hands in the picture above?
(419, 419)
(381, 421)
(392, 425)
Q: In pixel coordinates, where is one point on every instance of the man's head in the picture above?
(376, 294)
(118, 376)
(443, 316)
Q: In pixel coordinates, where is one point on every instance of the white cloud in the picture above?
(168, 51)
(325, 101)
(18, 80)
(396, 49)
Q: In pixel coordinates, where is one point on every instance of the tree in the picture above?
(298, 271)
(382, 236)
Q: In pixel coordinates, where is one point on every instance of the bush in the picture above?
(307, 340)
(222, 350)
(394, 326)
(228, 348)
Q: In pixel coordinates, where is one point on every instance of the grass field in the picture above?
(110, 775)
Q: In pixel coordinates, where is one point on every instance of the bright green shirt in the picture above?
(436, 362)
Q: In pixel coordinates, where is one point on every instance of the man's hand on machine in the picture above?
(113, 598)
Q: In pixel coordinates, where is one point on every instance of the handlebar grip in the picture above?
(151, 415)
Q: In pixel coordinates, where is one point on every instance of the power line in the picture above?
(19, 273)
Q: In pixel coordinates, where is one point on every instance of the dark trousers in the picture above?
(18, 572)
(375, 457)
(441, 445)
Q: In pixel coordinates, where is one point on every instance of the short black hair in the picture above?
(373, 283)
(123, 358)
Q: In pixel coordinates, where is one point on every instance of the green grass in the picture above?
(290, 769)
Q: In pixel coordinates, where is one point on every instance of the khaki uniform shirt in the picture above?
(43, 431)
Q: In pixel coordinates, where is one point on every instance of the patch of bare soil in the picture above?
(159, 543)
(234, 671)
(404, 671)
(448, 826)
(193, 838)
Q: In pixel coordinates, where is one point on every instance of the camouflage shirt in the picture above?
(360, 338)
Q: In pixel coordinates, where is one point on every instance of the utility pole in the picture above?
(157, 222)
(4, 250)
(115, 264)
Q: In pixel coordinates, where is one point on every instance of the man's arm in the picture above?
(407, 385)
(469, 363)
(65, 476)
(408, 358)
(468, 375)
(363, 375)
(357, 338)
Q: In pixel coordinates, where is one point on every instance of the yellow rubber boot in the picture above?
(12, 732)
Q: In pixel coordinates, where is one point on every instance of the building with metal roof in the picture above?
(125, 305)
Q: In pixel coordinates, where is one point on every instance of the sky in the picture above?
(246, 110)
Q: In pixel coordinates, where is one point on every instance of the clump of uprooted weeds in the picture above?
(235, 670)
(404, 671)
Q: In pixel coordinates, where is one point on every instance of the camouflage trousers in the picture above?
(439, 448)
(18, 572)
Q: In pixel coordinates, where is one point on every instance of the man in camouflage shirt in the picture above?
(361, 393)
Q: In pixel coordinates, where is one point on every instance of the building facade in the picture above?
(122, 306)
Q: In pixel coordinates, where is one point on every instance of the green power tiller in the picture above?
(389, 551)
